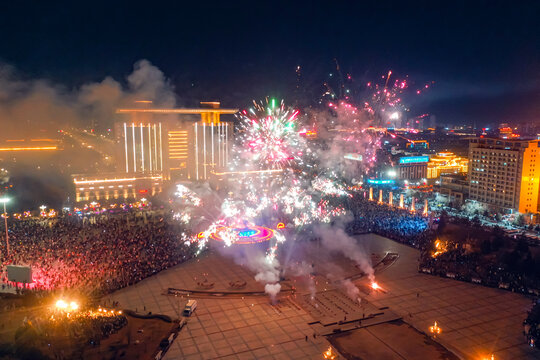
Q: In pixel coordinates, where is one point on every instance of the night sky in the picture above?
(484, 57)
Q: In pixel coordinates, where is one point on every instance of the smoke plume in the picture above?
(336, 240)
(304, 270)
(266, 268)
(352, 290)
(28, 106)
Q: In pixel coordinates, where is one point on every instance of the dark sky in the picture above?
(483, 55)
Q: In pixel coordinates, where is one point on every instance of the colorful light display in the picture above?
(243, 236)
(413, 159)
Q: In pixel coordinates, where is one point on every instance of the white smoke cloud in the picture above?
(342, 129)
(266, 268)
(471, 208)
(304, 270)
(352, 290)
(335, 239)
(39, 105)
(272, 290)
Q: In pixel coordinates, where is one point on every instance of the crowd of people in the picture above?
(470, 259)
(96, 254)
(399, 224)
(485, 256)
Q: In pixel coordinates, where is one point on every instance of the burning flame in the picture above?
(435, 329)
(440, 248)
(375, 286)
(328, 354)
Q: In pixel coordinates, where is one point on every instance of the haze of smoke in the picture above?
(266, 270)
(441, 199)
(336, 274)
(32, 105)
(335, 239)
(39, 108)
(272, 290)
(4, 176)
(352, 290)
(304, 270)
(472, 208)
(341, 133)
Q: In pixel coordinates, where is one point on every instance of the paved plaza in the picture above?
(226, 328)
(476, 321)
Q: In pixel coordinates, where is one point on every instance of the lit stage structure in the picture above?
(251, 234)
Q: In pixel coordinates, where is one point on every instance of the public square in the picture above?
(476, 321)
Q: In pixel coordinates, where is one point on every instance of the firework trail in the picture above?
(382, 100)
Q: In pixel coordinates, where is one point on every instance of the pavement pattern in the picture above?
(476, 321)
(225, 328)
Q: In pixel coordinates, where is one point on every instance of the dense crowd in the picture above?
(398, 224)
(95, 254)
(487, 257)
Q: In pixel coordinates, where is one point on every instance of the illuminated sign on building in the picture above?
(413, 159)
(380, 181)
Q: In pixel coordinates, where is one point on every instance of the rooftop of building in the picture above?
(143, 106)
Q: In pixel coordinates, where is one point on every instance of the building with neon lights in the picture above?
(187, 144)
(18, 146)
(115, 186)
(158, 145)
(505, 174)
(412, 167)
(444, 163)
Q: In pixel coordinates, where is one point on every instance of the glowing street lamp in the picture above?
(5, 200)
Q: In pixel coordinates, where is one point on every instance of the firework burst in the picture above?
(268, 135)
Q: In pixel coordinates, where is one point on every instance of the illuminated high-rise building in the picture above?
(142, 147)
(156, 145)
(185, 144)
(505, 173)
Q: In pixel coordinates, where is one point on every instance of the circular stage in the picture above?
(251, 234)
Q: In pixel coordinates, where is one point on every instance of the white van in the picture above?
(190, 307)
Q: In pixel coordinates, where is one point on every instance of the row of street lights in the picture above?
(5, 200)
